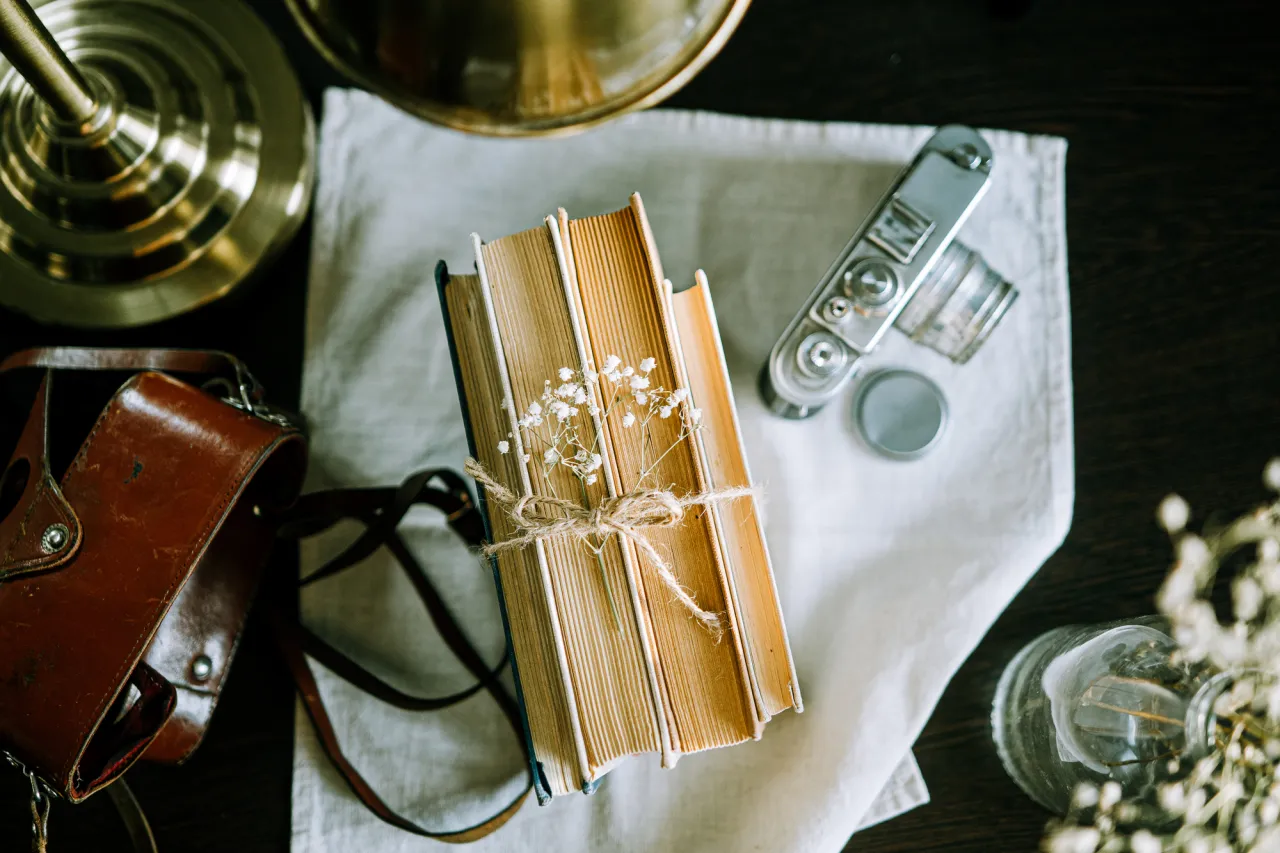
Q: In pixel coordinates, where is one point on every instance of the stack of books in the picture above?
(610, 663)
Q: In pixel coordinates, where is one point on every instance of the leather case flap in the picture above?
(38, 529)
(198, 639)
(155, 479)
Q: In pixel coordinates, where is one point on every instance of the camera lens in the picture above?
(956, 307)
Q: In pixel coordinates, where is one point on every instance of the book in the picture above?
(611, 634)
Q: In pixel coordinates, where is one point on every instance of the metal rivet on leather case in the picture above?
(201, 668)
(55, 538)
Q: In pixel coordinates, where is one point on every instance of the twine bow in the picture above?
(540, 517)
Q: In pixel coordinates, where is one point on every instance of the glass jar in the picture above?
(1092, 703)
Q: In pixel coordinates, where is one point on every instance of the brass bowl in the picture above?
(519, 67)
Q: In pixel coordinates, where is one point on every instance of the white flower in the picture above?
(568, 390)
(1247, 594)
(1197, 632)
(1173, 798)
(563, 411)
(647, 364)
(638, 382)
(593, 409)
(526, 458)
(595, 462)
(504, 446)
(1143, 841)
(1193, 552)
(1178, 589)
(628, 419)
(1085, 796)
(664, 412)
(1174, 513)
(628, 370)
(1127, 813)
(1271, 476)
(590, 376)
(565, 374)
(679, 395)
(1239, 696)
(642, 398)
(695, 415)
(579, 396)
(1075, 839)
(535, 409)
(1109, 795)
(591, 479)
(613, 376)
(611, 363)
(551, 457)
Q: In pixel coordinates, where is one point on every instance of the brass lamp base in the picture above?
(195, 164)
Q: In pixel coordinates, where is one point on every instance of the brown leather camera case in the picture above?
(124, 588)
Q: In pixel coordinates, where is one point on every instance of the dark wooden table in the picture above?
(1173, 194)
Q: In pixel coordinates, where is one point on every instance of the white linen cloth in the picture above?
(889, 573)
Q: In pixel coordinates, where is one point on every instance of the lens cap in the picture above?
(900, 414)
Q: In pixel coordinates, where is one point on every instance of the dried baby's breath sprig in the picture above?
(1228, 800)
(561, 427)
(561, 430)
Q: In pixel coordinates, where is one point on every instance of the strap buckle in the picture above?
(246, 395)
(41, 802)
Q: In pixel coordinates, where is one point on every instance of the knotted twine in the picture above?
(541, 517)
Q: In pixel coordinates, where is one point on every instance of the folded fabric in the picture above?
(889, 572)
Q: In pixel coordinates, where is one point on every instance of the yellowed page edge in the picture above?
(549, 728)
(568, 280)
(702, 291)
(732, 600)
(720, 711)
(671, 747)
(663, 301)
(507, 394)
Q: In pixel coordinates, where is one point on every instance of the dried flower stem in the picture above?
(1227, 801)
(551, 425)
(597, 549)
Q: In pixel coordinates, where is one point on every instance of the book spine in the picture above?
(540, 787)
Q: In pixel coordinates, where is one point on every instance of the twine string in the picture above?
(542, 517)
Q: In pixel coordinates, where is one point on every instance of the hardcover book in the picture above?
(609, 657)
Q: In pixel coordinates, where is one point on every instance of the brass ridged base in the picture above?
(197, 166)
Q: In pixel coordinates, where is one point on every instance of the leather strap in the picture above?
(206, 362)
(381, 510)
(135, 820)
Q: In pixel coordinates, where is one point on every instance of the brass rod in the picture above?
(27, 44)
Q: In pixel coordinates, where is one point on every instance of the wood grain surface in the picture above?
(1173, 196)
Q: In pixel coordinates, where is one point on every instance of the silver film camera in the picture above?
(902, 268)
